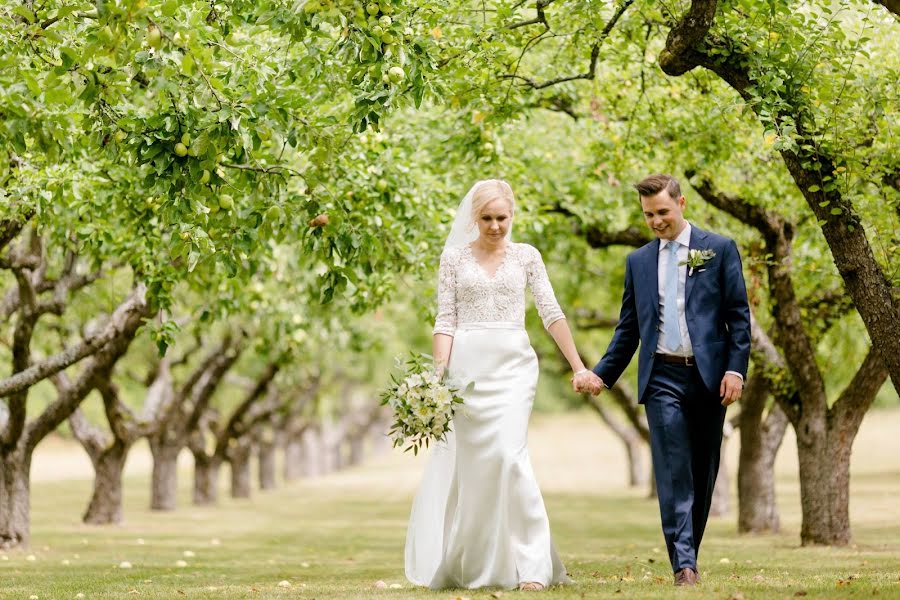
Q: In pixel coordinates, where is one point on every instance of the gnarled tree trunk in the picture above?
(721, 499)
(239, 458)
(164, 480)
(313, 455)
(293, 457)
(15, 498)
(760, 440)
(206, 480)
(106, 499)
(266, 450)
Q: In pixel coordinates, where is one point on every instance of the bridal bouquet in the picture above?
(423, 404)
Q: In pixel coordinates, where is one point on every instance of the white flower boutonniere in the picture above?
(697, 258)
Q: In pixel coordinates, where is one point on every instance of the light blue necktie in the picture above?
(671, 331)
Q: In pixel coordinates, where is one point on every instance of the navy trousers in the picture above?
(685, 420)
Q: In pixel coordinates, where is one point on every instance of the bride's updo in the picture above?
(488, 191)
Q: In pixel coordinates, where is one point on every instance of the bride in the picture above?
(478, 518)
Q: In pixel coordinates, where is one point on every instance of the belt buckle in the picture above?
(688, 361)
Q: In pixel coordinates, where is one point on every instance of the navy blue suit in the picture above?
(684, 410)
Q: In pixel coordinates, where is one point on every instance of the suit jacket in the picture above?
(716, 310)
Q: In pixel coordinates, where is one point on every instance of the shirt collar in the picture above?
(684, 238)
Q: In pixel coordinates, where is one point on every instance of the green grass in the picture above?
(334, 537)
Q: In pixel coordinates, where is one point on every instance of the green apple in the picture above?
(181, 149)
(274, 213)
(372, 9)
(397, 74)
(154, 37)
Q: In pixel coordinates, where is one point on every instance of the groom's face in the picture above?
(664, 214)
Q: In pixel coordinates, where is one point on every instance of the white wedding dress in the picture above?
(478, 518)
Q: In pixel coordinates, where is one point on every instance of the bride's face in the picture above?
(494, 221)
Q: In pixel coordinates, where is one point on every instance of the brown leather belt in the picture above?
(671, 359)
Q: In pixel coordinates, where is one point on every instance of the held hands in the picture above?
(587, 382)
(730, 389)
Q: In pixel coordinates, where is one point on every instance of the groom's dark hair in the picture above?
(654, 184)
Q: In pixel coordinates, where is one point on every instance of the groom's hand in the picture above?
(730, 389)
(587, 382)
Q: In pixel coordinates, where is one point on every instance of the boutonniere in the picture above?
(697, 258)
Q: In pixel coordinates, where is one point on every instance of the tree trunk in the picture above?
(164, 484)
(206, 480)
(379, 442)
(824, 444)
(357, 448)
(630, 437)
(824, 483)
(760, 441)
(105, 506)
(266, 466)
(239, 457)
(721, 499)
(312, 452)
(293, 459)
(332, 450)
(15, 474)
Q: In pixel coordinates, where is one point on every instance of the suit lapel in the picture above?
(697, 237)
(650, 275)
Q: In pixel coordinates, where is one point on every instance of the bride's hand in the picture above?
(586, 381)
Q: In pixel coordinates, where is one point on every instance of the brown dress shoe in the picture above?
(686, 576)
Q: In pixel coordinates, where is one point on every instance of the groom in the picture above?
(685, 304)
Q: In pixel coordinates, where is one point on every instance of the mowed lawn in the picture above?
(336, 536)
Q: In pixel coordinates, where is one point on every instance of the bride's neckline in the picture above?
(490, 275)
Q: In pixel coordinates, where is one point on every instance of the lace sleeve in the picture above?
(544, 298)
(445, 322)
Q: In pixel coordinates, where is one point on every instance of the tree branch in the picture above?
(595, 54)
(680, 54)
(90, 437)
(891, 5)
(234, 429)
(135, 304)
(599, 238)
(858, 396)
(21, 357)
(540, 5)
(593, 319)
(119, 332)
(791, 334)
(11, 227)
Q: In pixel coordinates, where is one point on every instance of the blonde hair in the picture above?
(489, 190)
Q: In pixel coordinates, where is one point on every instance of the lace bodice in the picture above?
(468, 294)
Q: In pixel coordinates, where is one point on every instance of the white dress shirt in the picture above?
(684, 241)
